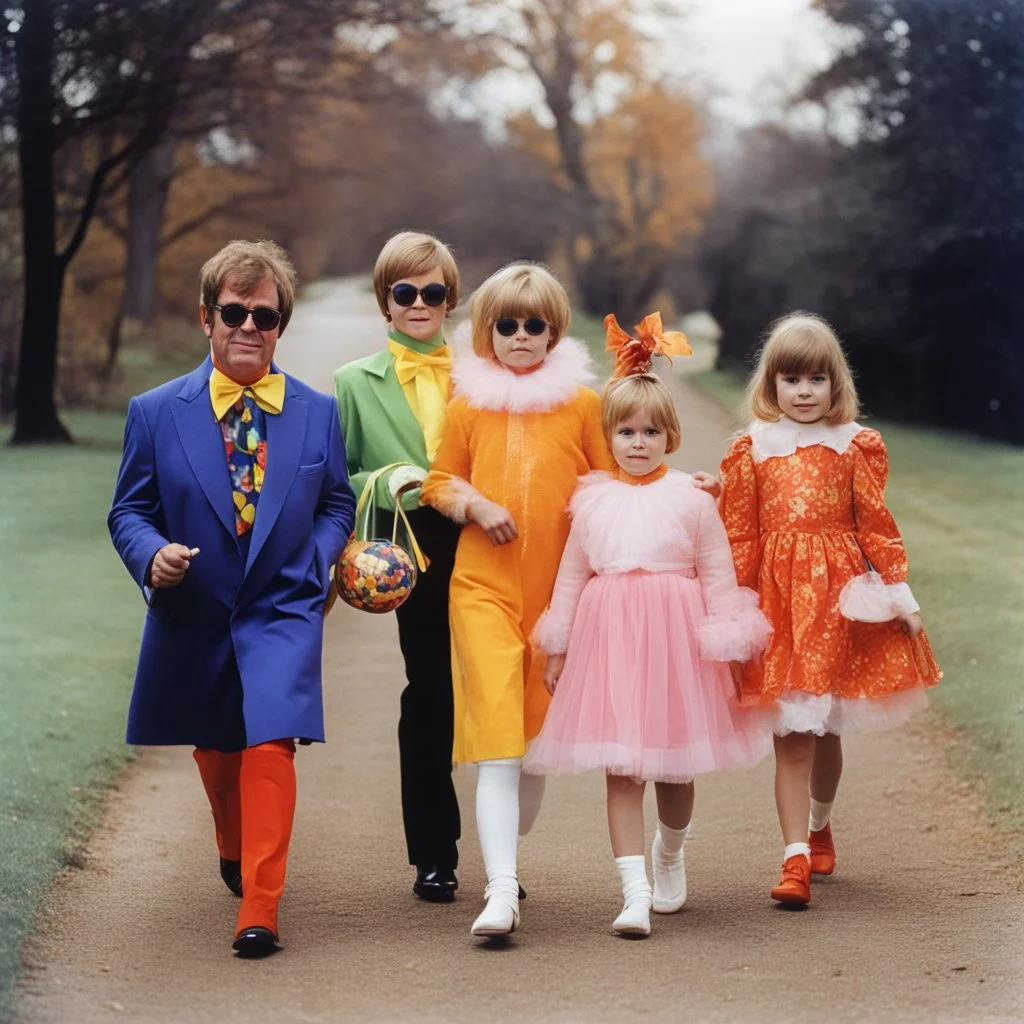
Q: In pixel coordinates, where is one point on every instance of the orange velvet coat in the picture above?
(521, 442)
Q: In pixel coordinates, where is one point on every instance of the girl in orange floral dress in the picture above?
(803, 503)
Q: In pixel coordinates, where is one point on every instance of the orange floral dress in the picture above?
(804, 507)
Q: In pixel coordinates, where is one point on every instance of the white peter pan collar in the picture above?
(775, 440)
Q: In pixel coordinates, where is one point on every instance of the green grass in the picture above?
(70, 622)
(958, 501)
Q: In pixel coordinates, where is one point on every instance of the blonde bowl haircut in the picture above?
(801, 343)
(518, 290)
(409, 254)
(243, 265)
(641, 392)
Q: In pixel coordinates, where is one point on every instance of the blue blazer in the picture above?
(230, 657)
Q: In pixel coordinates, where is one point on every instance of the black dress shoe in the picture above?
(435, 885)
(256, 942)
(231, 872)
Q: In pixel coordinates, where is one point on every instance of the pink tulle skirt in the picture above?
(635, 698)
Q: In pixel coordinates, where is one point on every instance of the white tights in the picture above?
(497, 821)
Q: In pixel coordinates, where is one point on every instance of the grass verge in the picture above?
(958, 501)
(70, 622)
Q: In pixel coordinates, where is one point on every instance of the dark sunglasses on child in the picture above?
(506, 326)
(234, 314)
(406, 294)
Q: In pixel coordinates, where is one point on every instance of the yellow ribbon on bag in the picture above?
(363, 506)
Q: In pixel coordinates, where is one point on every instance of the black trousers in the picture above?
(430, 810)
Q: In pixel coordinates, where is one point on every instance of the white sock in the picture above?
(794, 848)
(497, 821)
(635, 885)
(820, 813)
(531, 793)
(671, 838)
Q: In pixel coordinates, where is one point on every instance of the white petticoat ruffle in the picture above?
(867, 598)
(825, 713)
(736, 631)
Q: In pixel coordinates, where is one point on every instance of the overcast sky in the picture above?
(750, 50)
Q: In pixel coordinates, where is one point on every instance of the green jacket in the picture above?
(378, 425)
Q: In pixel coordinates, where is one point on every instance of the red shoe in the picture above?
(823, 851)
(794, 888)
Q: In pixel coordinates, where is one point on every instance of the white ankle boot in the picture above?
(635, 918)
(669, 878)
(501, 914)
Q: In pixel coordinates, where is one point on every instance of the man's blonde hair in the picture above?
(801, 343)
(519, 290)
(409, 254)
(243, 265)
(641, 392)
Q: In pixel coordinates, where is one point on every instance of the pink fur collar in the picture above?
(486, 384)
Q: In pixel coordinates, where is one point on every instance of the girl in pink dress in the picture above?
(644, 619)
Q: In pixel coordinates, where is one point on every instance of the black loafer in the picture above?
(231, 872)
(256, 942)
(435, 885)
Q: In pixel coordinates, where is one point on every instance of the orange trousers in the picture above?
(252, 796)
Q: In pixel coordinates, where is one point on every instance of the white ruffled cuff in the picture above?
(404, 476)
(737, 629)
(868, 598)
(551, 634)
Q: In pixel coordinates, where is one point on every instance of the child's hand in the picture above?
(495, 521)
(736, 668)
(553, 671)
(707, 482)
(912, 623)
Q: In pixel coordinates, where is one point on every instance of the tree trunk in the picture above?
(147, 202)
(36, 416)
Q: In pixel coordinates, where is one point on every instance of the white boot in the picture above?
(669, 869)
(497, 822)
(635, 919)
(501, 914)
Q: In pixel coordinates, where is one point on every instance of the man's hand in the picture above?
(912, 623)
(495, 521)
(169, 566)
(553, 671)
(707, 482)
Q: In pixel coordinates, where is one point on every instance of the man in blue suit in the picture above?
(232, 503)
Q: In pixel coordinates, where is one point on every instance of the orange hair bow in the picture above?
(634, 355)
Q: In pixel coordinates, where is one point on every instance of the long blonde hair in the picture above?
(798, 343)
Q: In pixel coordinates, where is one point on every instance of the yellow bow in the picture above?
(268, 392)
(424, 377)
(633, 355)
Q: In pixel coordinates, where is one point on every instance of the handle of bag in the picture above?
(365, 503)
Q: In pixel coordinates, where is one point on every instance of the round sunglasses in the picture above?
(506, 326)
(406, 294)
(234, 314)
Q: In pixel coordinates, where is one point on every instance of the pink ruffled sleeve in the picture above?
(734, 629)
(551, 634)
(882, 593)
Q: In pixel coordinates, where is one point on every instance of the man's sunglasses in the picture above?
(506, 326)
(432, 294)
(234, 314)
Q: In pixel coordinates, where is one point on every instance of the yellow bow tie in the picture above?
(268, 392)
(409, 363)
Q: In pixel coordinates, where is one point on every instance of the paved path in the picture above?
(922, 922)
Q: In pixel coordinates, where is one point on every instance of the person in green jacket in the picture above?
(392, 407)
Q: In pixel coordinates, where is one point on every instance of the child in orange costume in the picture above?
(804, 506)
(519, 431)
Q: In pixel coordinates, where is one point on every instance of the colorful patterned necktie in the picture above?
(245, 444)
